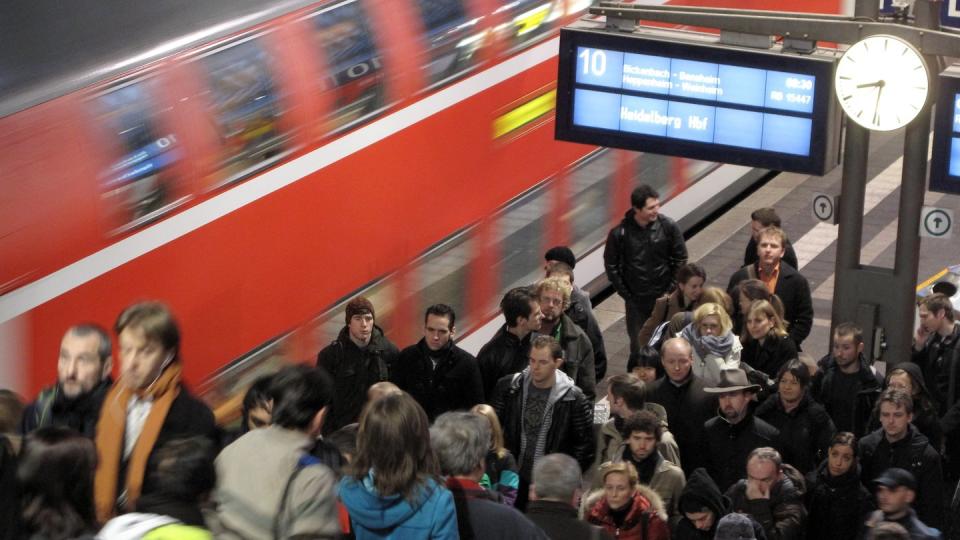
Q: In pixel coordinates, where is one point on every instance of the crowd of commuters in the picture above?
(719, 428)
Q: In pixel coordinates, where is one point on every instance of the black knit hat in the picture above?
(359, 306)
(562, 254)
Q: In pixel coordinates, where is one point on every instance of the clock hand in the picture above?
(876, 108)
(871, 85)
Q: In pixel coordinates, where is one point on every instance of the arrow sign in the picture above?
(823, 207)
(936, 222)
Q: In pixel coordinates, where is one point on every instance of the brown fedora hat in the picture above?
(732, 380)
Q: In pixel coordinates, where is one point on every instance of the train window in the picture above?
(529, 21)
(246, 109)
(453, 40)
(140, 186)
(355, 66)
(522, 228)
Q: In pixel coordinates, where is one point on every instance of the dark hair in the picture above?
(549, 343)
(516, 304)
(441, 310)
(754, 290)
(849, 329)
(11, 409)
(183, 470)
(258, 395)
(897, 397)
(647, 356)
(345, 440)
(562, 254)
(55, 476)
(766, 453)
(766, 216)
(691, 270)
(105, 348)
(155, 320)
(845, 438)
(299, 392)
(394, 441)
(557, 268)
(640, 194)
(938, 302)
(645, 422)
(796, 368)
(629, 388)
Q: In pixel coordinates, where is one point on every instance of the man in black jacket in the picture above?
(554, 498)
(554, 296)
(898, 444)
(702, 505)
(506, 352)
(896, 491)
(581, 313)
(845, 384)
(83, 378)
(360, 357)
(760, 219)
(543, 412)
(936, 349)
(769, 497)
(439, 375)
(788, 284)
(641, 258)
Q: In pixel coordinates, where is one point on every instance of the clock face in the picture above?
(882, 82)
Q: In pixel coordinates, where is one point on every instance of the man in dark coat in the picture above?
(439, 375)
(506, 352)
(760, 219)
(899, 444)
(896, 491)
(581, 313)
(783, 280)
(83, 379)
(555, 491)
(641, 258)
(702, 505)
(554, 296)
(735, 432)
(682, 395)
(936, 349)
(360, 357)
(769, 497)
(845, 384)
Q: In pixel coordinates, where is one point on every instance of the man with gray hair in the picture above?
(554, 497)
(460, 441)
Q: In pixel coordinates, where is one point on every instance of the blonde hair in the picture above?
(622, 467)
(556, 284)
(716, 295)
(765, 308)
(496, 432)
(708, 309)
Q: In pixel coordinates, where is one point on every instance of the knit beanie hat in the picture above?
(562, 254)
(735, 527)
(359, 306)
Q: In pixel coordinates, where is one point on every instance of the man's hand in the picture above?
(920, 338)
(757, 490)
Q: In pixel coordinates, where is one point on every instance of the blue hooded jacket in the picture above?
(392, 517)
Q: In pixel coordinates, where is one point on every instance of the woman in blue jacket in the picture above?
(391, 491)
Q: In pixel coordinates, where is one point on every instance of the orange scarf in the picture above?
(110, 433)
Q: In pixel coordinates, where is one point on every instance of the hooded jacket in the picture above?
(432, 516)
(454, 384)
(822, 389)
(505, 354)
(567, 423)
(805, 432)
(782, 516)
(924, 407)
(701, 492)
(354, 371)
(641, 262)
(837, 505)
(581, 313)
(728, 445)
(646, 519)
(578, 360)
(53, 408)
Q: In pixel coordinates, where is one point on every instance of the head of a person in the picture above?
(716, 295)
(936, 312)
(642, 432)
(360, 318)
(554, 296)
(697, 512)
(561, 254)
(900, 379)
(646, 204)
(842, 454)
(895, 410)
(521, 309)
(749, 291)
(762, 218)
(691, 278)
(711, 319)
(556, 477)
(345, 441)
(847, 344)
(546, 357)
(183, 470)
(438, 326)
(771, 243)
(896, 490)
(676, 354)
(394, 442)
(626, 394)
(85, 359)
(55, 478)
(735, 405)
(764, 467)
(257, 405)
(620, 481)
(735, 526)
(645, 364)
(301, 395)
(149, 340)
(380, 390)
(560, 270)
(763, 321)
(793, 380)
(11, 410)
(461, 441)
(496, 432)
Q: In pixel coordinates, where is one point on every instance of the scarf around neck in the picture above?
(716, 345)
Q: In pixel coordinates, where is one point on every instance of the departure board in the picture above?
(945, 161)
(698, 100)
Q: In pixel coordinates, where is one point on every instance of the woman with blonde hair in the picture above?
(766, 344)
(628, 510)
(502, 474)
(715, 346)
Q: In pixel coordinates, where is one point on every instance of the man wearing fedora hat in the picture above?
(734, 432)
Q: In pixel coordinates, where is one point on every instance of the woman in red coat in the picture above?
(627, 510)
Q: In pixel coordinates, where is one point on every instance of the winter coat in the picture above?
(940, 362)
(728, 445)
(701, 491)
(646, 519)
(805, 432)
(664, 309)
(641, 262)
(782, 516)
(480, 515)
(769, 356)
(581, 313)
(610, 438)
(837, 505)
(794, 291)
(578, 357)
(505, 354)
(354, 371)
(502, 476)
(912, 453)
(916, 528)
(567, 425)
(52, 408)
(688, 408)
(559, 521)
(925, 416)
(9, 500)
(822, 390)
(667, 482)
(147, 526)
(454, 384)
(750, 255)
(392, 517)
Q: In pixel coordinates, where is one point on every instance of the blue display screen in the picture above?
(945, 162)
(693, 100)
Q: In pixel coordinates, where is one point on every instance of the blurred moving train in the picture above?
(254, 163)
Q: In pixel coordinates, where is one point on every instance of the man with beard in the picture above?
(554, 296)
(845, 383)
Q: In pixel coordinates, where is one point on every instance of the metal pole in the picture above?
(853, 189)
